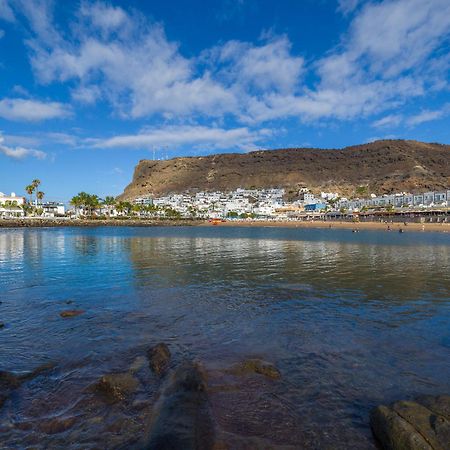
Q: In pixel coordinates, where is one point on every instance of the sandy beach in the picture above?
(440, 227)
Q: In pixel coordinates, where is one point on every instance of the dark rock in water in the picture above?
(182, 418)
(116, 386)
(71, 313)
(10, 381)
(159, 358)
(256, 366)
(2, 325)
(439, 405)
(413, 425)
(56, 425)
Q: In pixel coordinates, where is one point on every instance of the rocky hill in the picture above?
(381, 166)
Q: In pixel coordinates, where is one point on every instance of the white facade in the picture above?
(11, 205)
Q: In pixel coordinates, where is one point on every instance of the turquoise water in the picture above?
(350, 319)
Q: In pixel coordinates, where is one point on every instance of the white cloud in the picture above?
(218, 138)
(391, 120)
(393, 52)
(269, 66)
(348, 6)
(31, 110)
(19, 152)
(6, 12)
(426, 116)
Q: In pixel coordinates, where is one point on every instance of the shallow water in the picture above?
(350, 319)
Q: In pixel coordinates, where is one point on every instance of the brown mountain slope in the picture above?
(383, 166)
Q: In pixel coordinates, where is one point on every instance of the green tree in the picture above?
(40, 195)
(30, 189)
(35, 183)
(109, 202)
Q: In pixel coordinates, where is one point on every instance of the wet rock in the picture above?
(116, 386)
(159, 358)
(413, 425)
(56, 425)
(71, 313)
(138, 364)
(182, 418)
(439, 405)
(10, 381)
(256, 366)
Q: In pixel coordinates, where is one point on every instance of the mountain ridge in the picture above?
(383, 166)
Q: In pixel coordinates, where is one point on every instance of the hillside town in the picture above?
(239, 204)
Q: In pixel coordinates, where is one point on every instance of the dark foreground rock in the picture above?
(423, 424)
(116, 387)
(159, 358)
(182, 418)
(10, 381)
(258, 366)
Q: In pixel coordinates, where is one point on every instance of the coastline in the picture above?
(392, 226)
(90, 223)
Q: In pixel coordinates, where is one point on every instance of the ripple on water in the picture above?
(351, 321)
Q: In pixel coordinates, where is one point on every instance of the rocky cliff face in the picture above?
(382, 166)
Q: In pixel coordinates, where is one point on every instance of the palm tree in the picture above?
(76, 203)
(35, 183)
(40, 195)
(30, 189)
(109, 202)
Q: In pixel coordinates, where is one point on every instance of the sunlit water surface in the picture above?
(350, 319)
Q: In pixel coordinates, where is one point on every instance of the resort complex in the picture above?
(249, 204)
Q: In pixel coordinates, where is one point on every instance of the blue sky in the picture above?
(90, 88)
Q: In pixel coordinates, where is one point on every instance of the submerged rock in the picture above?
(256, 366)
(413, 425)
(116, 386)
(182, 418)
(2, 325)
(56, 425)
(10, 381)
(159, 358)
(71, 313)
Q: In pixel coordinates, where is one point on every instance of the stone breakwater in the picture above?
(46, 223)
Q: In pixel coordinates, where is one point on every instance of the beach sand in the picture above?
(442, 227)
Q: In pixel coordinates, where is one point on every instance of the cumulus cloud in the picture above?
(425, 116)
(348, 6)
(393, 51)
(388, 121)
(19, 152)
(266, 67)
(21, 109)
(6, 12)
(175, 136)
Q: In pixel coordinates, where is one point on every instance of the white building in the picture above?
(11, 205)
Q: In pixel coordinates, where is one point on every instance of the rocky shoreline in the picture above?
(183, 418)
(49, 223)
(442, 227)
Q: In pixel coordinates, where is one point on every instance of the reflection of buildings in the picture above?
(328, 268)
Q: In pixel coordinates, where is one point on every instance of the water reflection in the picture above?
(350, 321)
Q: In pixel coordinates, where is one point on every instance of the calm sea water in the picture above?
(350, 319)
